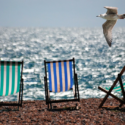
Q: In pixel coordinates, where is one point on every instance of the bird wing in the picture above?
(107, 30)
(111, 10)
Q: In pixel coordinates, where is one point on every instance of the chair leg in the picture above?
(18, 108)
(121, 105)
(108, 93)
(49, 106)
(103, 101)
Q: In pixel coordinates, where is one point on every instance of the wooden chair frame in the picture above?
(19, 103)
(47, 93)
(122, 101)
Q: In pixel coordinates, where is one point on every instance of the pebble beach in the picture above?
(37, 113)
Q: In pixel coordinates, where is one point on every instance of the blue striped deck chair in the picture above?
(11, 82)
(60, 76)
(118, 88)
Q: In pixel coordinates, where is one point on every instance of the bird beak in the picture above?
(98, 16)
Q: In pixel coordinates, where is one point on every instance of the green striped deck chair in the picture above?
(116, 89)
(11, 82)
(60, 76)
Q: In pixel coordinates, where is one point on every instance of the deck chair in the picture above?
(11, 81)
(108, 91)
(60, 76)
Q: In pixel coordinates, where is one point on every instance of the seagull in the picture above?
(111, 16)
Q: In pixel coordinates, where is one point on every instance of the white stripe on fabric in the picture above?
(58, 80)
(10, 78)
(63, 76)
(68, 75)
(4, 85)
(15, 88)
(52, 77)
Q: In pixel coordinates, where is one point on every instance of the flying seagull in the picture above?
(111, 16)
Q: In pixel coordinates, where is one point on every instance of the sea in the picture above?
(96, 63)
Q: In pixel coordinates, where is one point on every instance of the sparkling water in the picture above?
(96, 63)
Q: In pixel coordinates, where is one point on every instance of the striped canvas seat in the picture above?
(60, 76)
(10, 74)
(11, 81)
